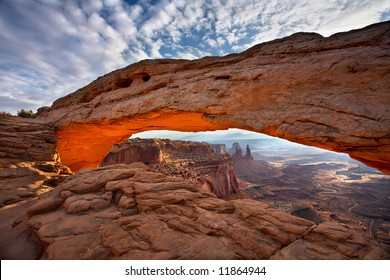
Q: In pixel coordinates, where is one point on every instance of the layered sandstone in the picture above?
(29, 164)
(132, 212)
(332, 93)
(29, 167)
(194, 161)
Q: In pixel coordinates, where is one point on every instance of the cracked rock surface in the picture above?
(131, 212)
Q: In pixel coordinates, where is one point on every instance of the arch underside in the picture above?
(85, 145)
(331, 93)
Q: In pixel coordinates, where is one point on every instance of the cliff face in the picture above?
(28, 160)
(332, 93)
(219, 148)
(194, 161)
(148, 152)
(29, 167)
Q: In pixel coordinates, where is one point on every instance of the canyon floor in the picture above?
(317, 185)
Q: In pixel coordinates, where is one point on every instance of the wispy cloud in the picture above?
(50, 48)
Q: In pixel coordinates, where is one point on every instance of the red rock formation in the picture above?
(132, 212)
(332, 93)
(29, 167)
(194, 161)
(147, 151)
(29, 164)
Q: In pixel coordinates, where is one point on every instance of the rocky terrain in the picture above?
(320, 187)
(29, 167)
(29, 164)
(331, 93)
(132, 212)
(194, 161)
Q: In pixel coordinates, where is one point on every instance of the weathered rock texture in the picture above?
(194, 161)
(29, 164)
(131, 212)
(29, 167)
(331, 93)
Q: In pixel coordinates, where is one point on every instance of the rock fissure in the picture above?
(377, 119)
(305, 233)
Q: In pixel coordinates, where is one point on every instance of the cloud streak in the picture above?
(50, 48)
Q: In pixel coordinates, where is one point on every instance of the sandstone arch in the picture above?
(332, 93)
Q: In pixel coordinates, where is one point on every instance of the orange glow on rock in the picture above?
(83, 146)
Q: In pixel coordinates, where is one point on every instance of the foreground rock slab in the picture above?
(331, 93)
(132, 212)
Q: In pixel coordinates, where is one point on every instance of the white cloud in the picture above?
(186, 55)
(211, 42)
(91, 6)
(50, 48)
(111, 3)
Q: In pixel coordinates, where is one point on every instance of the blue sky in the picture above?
(50, 48)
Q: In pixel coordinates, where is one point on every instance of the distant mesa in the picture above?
(219, 148)
(236, 148)
(248, 169)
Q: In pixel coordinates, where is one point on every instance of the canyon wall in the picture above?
(331, 93)
(28, 160)
(194, 161)
(131, 151)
